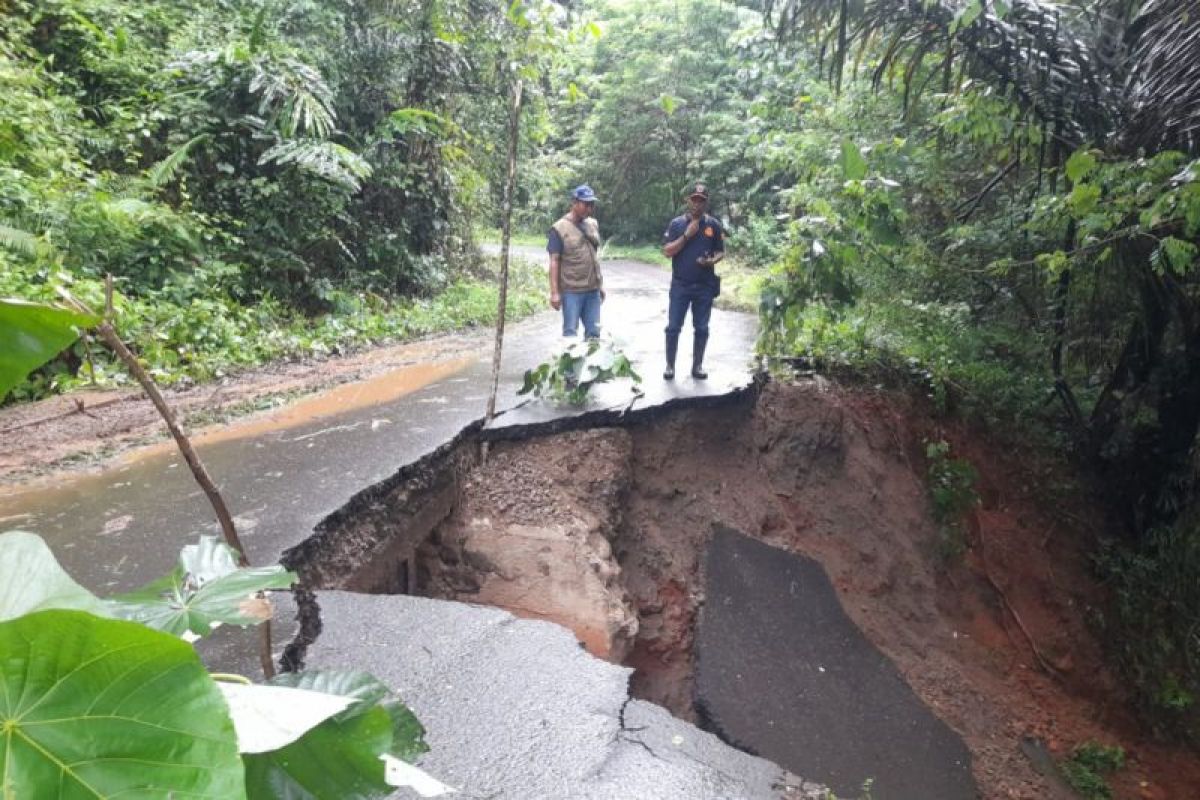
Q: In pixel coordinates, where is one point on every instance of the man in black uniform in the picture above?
(694, 242)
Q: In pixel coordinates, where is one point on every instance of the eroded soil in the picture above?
(829, 472)
(604, 531)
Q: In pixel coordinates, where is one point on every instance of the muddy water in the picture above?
(120, 527)
(349, 397)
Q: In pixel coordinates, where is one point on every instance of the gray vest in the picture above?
(578, 266)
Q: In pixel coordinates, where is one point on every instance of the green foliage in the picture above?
(32, 334)
(340, 758)
(240, 158)
(84, 698)
(952, 493)
(102, 707)
(193, 329)
(854, 166)
(31, 580)
(759, 240)
(661, 103)
(571, 374)
(1087, 766)
(1150, 626)
(206, 588)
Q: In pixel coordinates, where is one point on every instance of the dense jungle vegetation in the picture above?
(997, 201)
(263, 179)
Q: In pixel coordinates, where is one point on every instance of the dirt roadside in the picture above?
(83, 430)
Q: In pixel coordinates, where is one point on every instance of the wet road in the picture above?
(123, 526)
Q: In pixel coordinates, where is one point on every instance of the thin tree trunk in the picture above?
(108, 334)
(843, 19)
(514, 133)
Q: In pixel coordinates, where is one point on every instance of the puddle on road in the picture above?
(345, 398)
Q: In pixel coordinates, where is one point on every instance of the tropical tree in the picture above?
(1063, 250)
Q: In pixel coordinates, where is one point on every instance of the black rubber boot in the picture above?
(672, 348)
(698, 345)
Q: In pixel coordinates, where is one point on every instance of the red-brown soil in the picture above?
(836, 474)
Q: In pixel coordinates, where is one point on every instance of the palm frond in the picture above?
(164, 171)
(1104, 72)
(25, 243)
(296, 95)
(1027, 47)
(1163, 88)
(326, 159)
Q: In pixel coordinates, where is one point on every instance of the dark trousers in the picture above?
(697, 296)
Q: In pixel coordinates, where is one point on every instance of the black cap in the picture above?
(698, 190)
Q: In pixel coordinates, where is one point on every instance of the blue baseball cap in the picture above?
(583, 194)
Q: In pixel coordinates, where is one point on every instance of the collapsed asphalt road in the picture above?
(468, 672)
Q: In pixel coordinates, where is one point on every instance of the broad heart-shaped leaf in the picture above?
(31, 334)
(100, 708)
(267, 717)
(854, 166)
(340, 758)
(32, 580)
(206, 587)
(1080, 165)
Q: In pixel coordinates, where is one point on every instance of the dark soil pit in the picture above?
(604, 531)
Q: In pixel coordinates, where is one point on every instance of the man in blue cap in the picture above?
(694, 242)
(576, 284)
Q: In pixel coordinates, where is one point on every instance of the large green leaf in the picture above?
(341, 757)
(206, 588)
(100, 708)
(268, 717)
(32, 580)
(31, 334)
(854, 166)
(1080, 165)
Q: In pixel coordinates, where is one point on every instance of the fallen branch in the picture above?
(976, 200)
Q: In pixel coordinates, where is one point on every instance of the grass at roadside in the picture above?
(209, 335)
(516, 238)
(647, 253)
(741, 285)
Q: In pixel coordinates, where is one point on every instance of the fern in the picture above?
(295, 95)
(25, 243)
(165, 171)
(327, 160)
